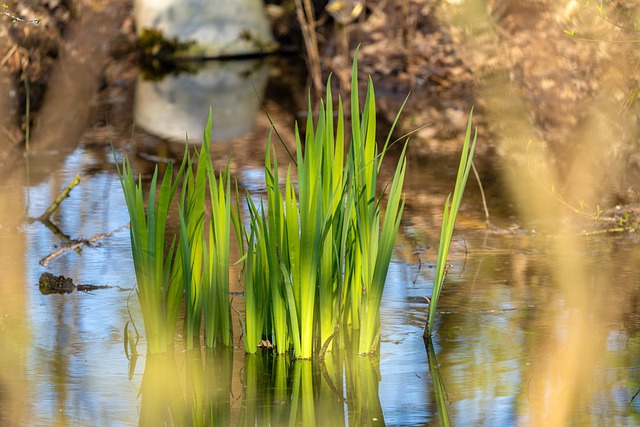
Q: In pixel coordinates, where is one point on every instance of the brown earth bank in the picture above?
(450, 56)
(404, 48)
(60, 63)
(29, 50)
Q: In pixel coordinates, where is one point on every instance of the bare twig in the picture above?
(484, 199)
(8, 55)
(56, 203)
(17, 18)
(78, 243)
(307, 21)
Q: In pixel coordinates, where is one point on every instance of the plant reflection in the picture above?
(198, 395)
(202, 388)
(162, 401)
(439, 391)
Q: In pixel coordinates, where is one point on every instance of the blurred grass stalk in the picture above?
(451, 208)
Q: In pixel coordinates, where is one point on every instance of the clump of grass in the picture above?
(159, 291)
(374, 237)
(204, 244)
(317, 256)
(197, 268)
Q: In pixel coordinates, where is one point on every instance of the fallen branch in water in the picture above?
(76, 244)
(56, 203)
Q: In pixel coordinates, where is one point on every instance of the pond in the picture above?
(537, 323)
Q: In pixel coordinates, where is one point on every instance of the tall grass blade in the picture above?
(216, 303)
(192, 246)
(451, 208)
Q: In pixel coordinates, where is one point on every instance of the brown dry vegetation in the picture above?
(501, 56)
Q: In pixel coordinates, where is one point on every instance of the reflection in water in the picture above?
(199, 393)
(503, 315)
(161, 396)
(176, 105)
(494, 323)
(439, 389)
(192, 389)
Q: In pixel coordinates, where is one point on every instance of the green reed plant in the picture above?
(217, 305)
(279, 320)
(271, 308)
(317, 256)
(308, 216)
(205, 248)
(191, 210)
(374, 239)
(334, 199)
(198, 267)
(256, 282)
(159, 291)
(266, 319)
(451, 208)
(267, 316)
(293, 242)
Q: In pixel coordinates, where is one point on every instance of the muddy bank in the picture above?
(418, 57)
(408, 48)
(28, 52)
(61, 62)
(504, 58)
